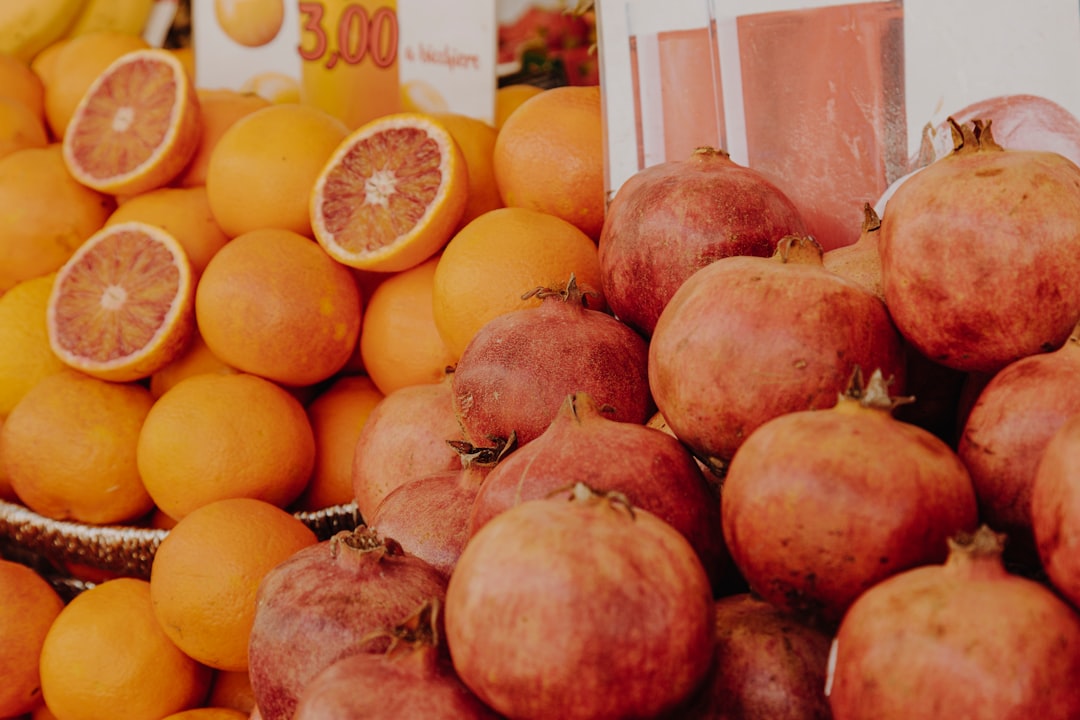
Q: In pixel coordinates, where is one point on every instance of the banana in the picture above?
(29, 26)
(124, 16)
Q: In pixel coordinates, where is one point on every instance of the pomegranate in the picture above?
(580, 608)
(821, 505)
(973, 257)
(965, 639)
(429, 515)
(746, 339)
(404, 437)
(515, 372)
(860, 261)
(1007, 429)
(768, 665)
(412, 678)
(1055, 509)
(652, 469)
(320, 605)
(670, 219)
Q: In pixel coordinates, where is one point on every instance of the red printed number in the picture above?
(358, 35)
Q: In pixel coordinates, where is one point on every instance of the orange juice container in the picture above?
(349, 58)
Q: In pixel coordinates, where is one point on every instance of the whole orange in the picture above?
(25, 354)
(69, 448)
(19, 82)
(214, 436)
(207, 570)
(19, 127)
(219, 109)
(549, 156)
(263, 167)
(273, 303)
(107, 656)
(28, 607)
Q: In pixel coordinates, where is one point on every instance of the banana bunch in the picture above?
(29, 26)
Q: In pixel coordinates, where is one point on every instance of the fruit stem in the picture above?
(871, 221)
(973, 136)
(474, 456)
(418, 630)
(977, 553)
(570, 293)
(800, 249)
(873, 394)
(363, 539)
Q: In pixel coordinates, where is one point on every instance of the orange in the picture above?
(7, 493)
(20, 83)
(232, 689)
(19, 127)
(508, 97)
(28, 607)
(106, 656)
(69, 448)
(196, 359)
(399, 342)
(209, 713)
(337, 415)
(182, 212)
(264, 165)
(476, 139)
(251, 23)
(76, 65)
(391, 195)
(136, 127)
(207, 570)
(221, 436)
(549, 156)
(45, 214)
(272, 303)
(219, 108)
(25, 355)
(498, 257)
(122, 307)
(43, 66)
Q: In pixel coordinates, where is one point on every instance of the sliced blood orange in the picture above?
(137, 125)
(391, 195)
(122, 306)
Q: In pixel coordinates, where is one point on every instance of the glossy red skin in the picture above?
(651, 468)
(314, 609)
(579, 609)
(516, 371)
(768, 664)
(821, 505)
(974, 258)
(957, 641)
(746, 339)
(404, 437)
(671, 219)
(1055, 509)
(410, 683)
(1007, 431)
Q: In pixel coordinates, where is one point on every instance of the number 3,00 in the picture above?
(357, 35)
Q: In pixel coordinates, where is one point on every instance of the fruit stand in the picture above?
(538, 359)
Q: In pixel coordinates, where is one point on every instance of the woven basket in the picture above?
(49, 544)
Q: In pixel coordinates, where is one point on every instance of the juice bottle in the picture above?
(349, 58)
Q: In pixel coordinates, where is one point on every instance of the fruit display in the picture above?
(304, 421)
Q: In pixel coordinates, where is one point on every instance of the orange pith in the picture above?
(121, 307)
(136, 127)
(391, 195)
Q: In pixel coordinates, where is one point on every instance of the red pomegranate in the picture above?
(429, 515)
(412, 678)
(580, 608)
(404, 437)
(965, 639)
(972, 260)
(670, 219)
(768, 664)
(1055, 509)
(746, 339)
(1006, 432)
(321, 605)
(860, 261)
(652, 469)
(518, 368)
(820, 505)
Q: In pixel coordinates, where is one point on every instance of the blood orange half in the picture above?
(391, 195)
(122, 306)
(137, 125)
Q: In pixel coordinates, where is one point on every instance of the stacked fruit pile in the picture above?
(219, 311)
